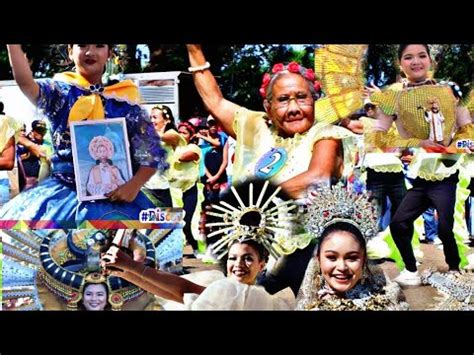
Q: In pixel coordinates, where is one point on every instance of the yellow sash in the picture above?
(90, 106)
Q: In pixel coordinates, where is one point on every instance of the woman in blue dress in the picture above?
(77, 96)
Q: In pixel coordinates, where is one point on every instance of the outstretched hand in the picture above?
(116, 262)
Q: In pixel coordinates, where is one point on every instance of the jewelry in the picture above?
(203, 67)
(337, 204)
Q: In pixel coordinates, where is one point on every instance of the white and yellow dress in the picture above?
(261, 153)
(9, 128)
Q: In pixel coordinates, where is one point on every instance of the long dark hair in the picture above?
(168, 114)
(342, 227)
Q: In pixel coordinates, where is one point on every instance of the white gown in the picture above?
(223, 293)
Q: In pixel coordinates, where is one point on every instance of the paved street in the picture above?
(419, 298)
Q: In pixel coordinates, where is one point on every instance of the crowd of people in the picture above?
(401, 158)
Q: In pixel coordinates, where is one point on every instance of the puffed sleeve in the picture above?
(146, 147)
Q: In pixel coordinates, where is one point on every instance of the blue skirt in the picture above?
(53, 200)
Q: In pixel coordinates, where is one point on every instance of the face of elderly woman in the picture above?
(341, 258)
(291, 108)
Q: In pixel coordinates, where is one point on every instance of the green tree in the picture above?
(456, 62)
(380, 64)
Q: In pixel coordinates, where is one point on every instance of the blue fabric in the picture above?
(56, 198)
(430, 223)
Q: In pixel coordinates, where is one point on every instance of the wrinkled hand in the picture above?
(124, 193)
(432, 147)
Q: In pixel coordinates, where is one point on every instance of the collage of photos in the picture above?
(240, 177)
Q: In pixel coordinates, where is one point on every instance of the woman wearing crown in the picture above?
(248, 240)
(339, 276)
(104, 176)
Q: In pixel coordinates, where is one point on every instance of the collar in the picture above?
(90, 106)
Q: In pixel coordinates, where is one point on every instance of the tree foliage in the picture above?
(239, 67)
(456, 62)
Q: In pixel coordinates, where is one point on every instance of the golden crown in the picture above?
(271, 219)
(337, 204)
(95, 278)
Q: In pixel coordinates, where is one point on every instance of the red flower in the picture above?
(266, 79)
(277, 68)
(263, 91)
(309, 74)
(317, 86)
(293, 67)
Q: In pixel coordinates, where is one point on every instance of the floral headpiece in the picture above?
(164, 109)
(337, 204)
(292, 67)
(99, 141)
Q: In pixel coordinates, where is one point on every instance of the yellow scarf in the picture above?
(90, 106)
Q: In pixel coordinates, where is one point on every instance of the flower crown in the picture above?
(292, 67)
(164, 110)
(272, 220)
(337, 204)
(98, 141)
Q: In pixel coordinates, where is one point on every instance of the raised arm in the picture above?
(325, 162)
(171, 137)
(22, 72)
(206, 84)
(7, 156)
(160, 283)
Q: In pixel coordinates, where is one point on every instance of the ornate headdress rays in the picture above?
(256, 221)
(337, 204)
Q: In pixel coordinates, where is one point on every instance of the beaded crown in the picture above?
(336, 204)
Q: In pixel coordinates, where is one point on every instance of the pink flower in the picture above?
(262, 92)
(309, 74)
(293, 67)
(277, 68)
(266, 79)
(317, 86)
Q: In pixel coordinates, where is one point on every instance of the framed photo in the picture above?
(101, 157)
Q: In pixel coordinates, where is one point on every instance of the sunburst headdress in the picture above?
(257, 221)
(337, 204)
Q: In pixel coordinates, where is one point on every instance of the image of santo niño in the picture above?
(104, 176)
(102, 159)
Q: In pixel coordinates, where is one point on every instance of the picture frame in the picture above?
(101, 156)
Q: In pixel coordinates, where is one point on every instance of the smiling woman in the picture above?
(246, 239)
(284, 144)
(95, 297)
(339, 277)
